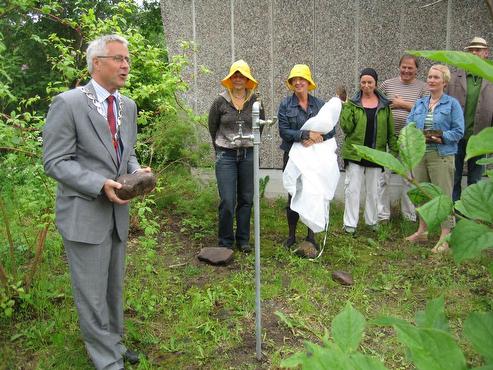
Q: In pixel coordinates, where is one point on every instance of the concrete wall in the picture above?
(335, 38)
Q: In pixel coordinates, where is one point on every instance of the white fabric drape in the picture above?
(312, 173)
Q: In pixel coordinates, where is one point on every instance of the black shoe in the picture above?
(289, 242)
(310, 240)
(131, 357)
(245, 248)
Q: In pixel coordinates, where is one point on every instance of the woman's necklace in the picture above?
(433, 103)
(238, 100)
(241, 96)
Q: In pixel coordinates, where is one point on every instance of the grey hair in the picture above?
(98, 47)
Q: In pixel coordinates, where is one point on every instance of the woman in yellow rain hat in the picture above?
(293, 112)
(231, 112)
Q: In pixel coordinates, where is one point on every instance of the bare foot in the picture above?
(418, 237)
(440, 247)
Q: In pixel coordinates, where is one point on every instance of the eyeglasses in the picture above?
(116, 58)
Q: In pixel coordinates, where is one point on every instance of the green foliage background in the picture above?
(42, 53)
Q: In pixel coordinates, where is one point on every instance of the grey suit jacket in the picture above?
(79, 154)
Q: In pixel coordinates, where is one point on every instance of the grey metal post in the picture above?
(255, 137)
(256, 214)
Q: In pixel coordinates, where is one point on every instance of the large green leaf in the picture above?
(484, 161)
(460, 59)
(476, 201)
(433, 316)
(469, 238)
(319, 358)
(294, 360)
(388, 321)
(431, 349)
(478, 328)
(424, 192)
(363, 362)
(412, 146)
(480, 144)
(347, 329)
(382, 158)
(436, 210)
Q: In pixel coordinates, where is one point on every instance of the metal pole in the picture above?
(255, 137)
(256, 210)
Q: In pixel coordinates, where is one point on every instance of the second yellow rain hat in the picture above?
(303, 71)
(242, 67)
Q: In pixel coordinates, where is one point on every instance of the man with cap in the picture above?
(475, 96)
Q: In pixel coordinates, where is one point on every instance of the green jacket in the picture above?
(353, 124)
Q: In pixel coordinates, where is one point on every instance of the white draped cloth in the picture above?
(312, 173)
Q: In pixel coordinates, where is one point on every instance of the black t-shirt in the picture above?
(369, 136)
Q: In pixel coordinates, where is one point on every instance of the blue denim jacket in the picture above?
(291, 117)
(447, 116)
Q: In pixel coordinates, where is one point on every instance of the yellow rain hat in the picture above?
(303, 71)
(242, 67)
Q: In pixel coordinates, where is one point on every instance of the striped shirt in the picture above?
(428, 125)
(409, 92)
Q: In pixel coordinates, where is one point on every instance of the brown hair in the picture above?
(409, 56)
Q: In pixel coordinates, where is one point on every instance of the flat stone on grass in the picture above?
(218, 256)
(306, 250)
(343, 277)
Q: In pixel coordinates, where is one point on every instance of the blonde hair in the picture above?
(443, 70)
(249, 93)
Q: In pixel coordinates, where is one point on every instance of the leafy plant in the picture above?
(341, 352)
(473, 233)
(263, 182)
(429, 343)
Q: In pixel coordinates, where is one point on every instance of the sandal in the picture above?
(418, 237)
(440, 247)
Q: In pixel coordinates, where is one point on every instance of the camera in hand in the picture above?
(430, 133)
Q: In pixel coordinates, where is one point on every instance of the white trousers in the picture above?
(356, 175)
(407, 207)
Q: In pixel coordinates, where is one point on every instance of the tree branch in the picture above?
(489, 4)
(10, 149)
(37, 257)
(3, 277)
(9, 235)
(431, 4)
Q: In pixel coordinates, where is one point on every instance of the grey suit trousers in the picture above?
(97, 272)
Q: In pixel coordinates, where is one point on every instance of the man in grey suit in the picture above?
(88, 141)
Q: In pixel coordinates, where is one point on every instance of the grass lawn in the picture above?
(184, 314)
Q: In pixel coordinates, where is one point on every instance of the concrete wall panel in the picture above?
(335, 38)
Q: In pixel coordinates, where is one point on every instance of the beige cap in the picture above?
(477, 43)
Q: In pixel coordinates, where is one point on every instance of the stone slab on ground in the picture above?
(306, 250)
(343, 277)
(217, 256)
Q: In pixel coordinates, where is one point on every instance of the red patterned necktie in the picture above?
(112, 122)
